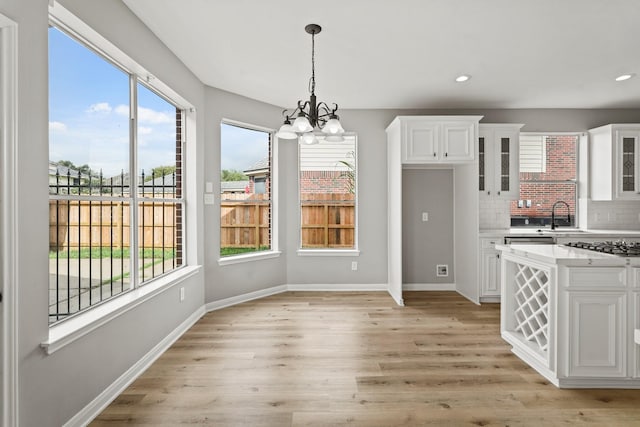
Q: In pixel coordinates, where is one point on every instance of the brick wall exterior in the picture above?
(561, 158)
(316, 182)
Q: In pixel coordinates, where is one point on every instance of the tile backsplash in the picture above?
(624, 215)
(617, 215)
(494, 214)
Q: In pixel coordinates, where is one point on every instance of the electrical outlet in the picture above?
(182, 294)
(425, 216)
(442, 270)
(354, 265)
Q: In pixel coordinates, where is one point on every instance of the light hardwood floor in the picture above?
(334, 358)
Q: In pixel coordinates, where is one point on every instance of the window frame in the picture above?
(355, 251)
(84, 321)
(578, 143)
(274, 251)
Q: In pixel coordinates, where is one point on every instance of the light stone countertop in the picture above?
(561, 254)
(559, 232)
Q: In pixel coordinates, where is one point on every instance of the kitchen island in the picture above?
(571, 314)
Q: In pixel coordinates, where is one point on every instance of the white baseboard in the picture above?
(228, 302)
(97, 405)
(339, 287)
(428, 286)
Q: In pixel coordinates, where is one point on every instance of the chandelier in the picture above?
(311, 115)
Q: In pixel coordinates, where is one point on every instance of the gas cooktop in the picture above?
(620, 248)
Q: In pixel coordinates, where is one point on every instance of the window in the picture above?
(116, 204)
(245, 185)
(327, 186)
(548, 174)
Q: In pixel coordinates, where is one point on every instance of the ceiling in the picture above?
(407, 53)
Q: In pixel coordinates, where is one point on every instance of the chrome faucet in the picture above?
(553, 213)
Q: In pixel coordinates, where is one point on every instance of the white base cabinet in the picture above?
(573, 319)
(597, 327)
(489, 270)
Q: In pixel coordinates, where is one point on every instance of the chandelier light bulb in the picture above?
(286, 132)
(309, 139)
(301, 124)
(333, 127)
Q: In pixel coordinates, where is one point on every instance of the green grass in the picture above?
(237, 251)
(107, 252)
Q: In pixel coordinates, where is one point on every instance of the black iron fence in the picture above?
(91, 219)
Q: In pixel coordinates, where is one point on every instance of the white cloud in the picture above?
(122, 109)
(57, 127)
(100, 107)
(147, 115)
(143, 130)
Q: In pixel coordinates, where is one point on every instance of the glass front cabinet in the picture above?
(498, 158)
(614, 162)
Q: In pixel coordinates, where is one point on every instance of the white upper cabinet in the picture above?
(438, 139)
(614, 162)
(498, 160)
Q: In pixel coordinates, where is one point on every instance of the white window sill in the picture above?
(328, 252)
(83, 323)
(239, 259)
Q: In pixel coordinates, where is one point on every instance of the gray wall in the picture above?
(426, 244)
(237, 279)
(54, 388)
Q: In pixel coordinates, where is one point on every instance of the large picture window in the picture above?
(116, 207)
(327, 187)
(245, 201)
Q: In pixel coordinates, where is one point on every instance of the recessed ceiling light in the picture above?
(463, 78)
(624, 77)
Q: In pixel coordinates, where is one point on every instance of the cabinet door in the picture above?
(506, 164)
(598, 334)
(485, 162)
(457, 141)
(420, 144)
(490, 273)
(627, 164)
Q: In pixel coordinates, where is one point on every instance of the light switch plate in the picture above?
(209, 199)
(425, 216)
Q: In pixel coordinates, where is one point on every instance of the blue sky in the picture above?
(89, 113)
(241, 148)
(89, 117)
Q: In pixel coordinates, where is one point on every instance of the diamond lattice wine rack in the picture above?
(532, 305)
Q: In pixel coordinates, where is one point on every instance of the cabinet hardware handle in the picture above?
(488, 192)
(434, 154)
(498, 256)
(446, 154)
(498, 193)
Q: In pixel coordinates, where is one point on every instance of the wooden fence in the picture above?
(83, 224)
(327, 220)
